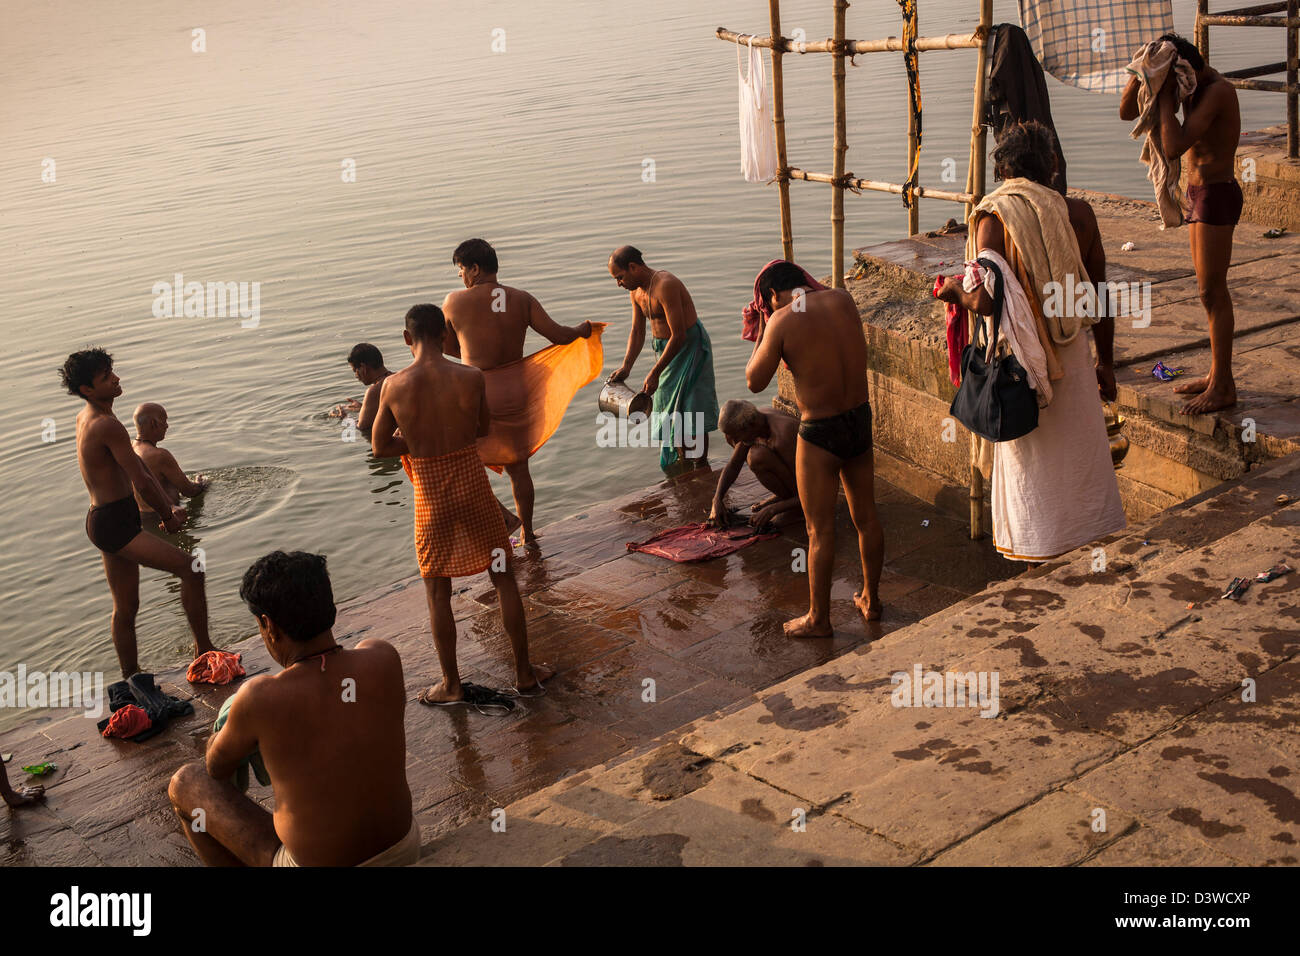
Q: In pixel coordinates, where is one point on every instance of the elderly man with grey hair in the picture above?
(765, 438)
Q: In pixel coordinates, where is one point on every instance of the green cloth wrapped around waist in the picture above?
(685, 403)
(253, 760)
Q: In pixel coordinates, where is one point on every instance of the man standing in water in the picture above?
(1208, 135)
(486, 326)
(819, 335)
(681, 380)
(441, 409)
(110, 468)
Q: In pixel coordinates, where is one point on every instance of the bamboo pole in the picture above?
(778, 123)
(913, 141)
(949, 41)
(976, 184)
(1292, 58)
(841, 147)
(880, 187)
(1201, 31)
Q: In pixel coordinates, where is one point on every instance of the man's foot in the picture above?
(1212, 399)
(439, 694)
(758, 506)
(1193, 386)
(804, 627)
(529, 539)
(870, 609)
(533, 687)
(24, 796)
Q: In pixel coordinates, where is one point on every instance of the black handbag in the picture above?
(995, 400)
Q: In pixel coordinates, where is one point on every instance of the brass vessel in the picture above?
(1118, 443)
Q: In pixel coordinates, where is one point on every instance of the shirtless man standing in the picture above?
(686, 402)
(110, 469)
(819, 335)
(1208, 135)
(150, 429)
(486, 326)
(441, 410)
(330, 732)
(765, 439)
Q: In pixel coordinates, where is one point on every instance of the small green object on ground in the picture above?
(41, 769)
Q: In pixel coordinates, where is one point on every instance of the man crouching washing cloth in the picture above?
(1054, 489)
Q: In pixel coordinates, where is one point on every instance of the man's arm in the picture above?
(1177, 138)
(369, 407)
(547, 327)
(1128, 101)
(119, 446)
(675, 315)
(635, 342)
(767, 354)
(718, 513)
(230, 745)
(450, 340)
(171, 471)
(988, 235)
(384, 440)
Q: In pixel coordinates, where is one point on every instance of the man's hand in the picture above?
(651, 382)
(619, 374)
(952, 289)
(203, 481)
(762, 516)
(1106, 381)
(719, 516)
(586, 331)
(173, 522)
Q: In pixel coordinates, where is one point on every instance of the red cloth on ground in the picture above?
(215, 667)
(697, 542)
(958, 334)
(756, 314)
(127, 722)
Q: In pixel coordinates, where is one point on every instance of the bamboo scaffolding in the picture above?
(874, 186)
(841, 148)
(950, 41)
(778, 123)
(913, 141)
(975, 184)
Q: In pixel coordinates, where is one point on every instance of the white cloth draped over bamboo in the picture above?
(757, 134)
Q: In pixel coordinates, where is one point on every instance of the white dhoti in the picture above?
(1054, 489)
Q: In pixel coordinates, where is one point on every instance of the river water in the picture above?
(227, 165)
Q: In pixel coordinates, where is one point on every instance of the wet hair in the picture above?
(476, 252)
(293, 590)
(82, 368)
(365, 354)
(1187, 50)
(624, 256)
(1026, 150)
(780, 277)
(739, 415)
(426, 322)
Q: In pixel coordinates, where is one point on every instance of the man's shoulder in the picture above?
(103, 426)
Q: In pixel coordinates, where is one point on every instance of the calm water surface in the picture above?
(225, 166)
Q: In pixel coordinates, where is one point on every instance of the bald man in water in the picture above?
(151, 428)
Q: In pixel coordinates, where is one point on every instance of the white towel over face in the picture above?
(1151, 64)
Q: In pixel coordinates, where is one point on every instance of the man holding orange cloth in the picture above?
(441, 410)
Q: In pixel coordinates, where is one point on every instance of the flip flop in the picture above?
(476, 696)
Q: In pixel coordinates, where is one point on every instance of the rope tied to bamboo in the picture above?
(910, 61)
(847, 181)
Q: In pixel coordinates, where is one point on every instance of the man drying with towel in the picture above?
(328, 730)
(527, 397)
(681, 380)
(441, 408)
(1167, 74)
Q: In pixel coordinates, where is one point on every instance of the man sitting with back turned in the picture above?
(328, 729)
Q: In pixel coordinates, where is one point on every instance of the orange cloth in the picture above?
(215, 667)
(458, 521)
(528, 398)
(127, 722)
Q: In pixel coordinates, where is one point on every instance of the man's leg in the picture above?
(1211, 255)
(124, 583)
(22, 797)
(521, 486)
(859, 480)
(232, 829)
(774, 475)
(528, 676)
(161, 555)
(443, 625)
(817, 474)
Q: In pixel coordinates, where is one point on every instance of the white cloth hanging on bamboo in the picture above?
(757, 134)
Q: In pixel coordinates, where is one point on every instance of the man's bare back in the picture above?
(827, 353)
(105, 478)
(438, 405)
(487, 324)
(337, 760)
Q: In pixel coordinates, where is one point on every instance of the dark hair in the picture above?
(1187, 50)
(365, 354)
(626, 255)
(780, 277)
(426, 322)
(476, 252)
(82, 368)
(1026, 150)
(293, 590)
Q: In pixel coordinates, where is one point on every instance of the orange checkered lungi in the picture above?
(458, 522)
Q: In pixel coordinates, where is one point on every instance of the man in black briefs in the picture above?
(110, 468)
(819, 335)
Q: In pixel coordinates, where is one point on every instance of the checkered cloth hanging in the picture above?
(1087, 43)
